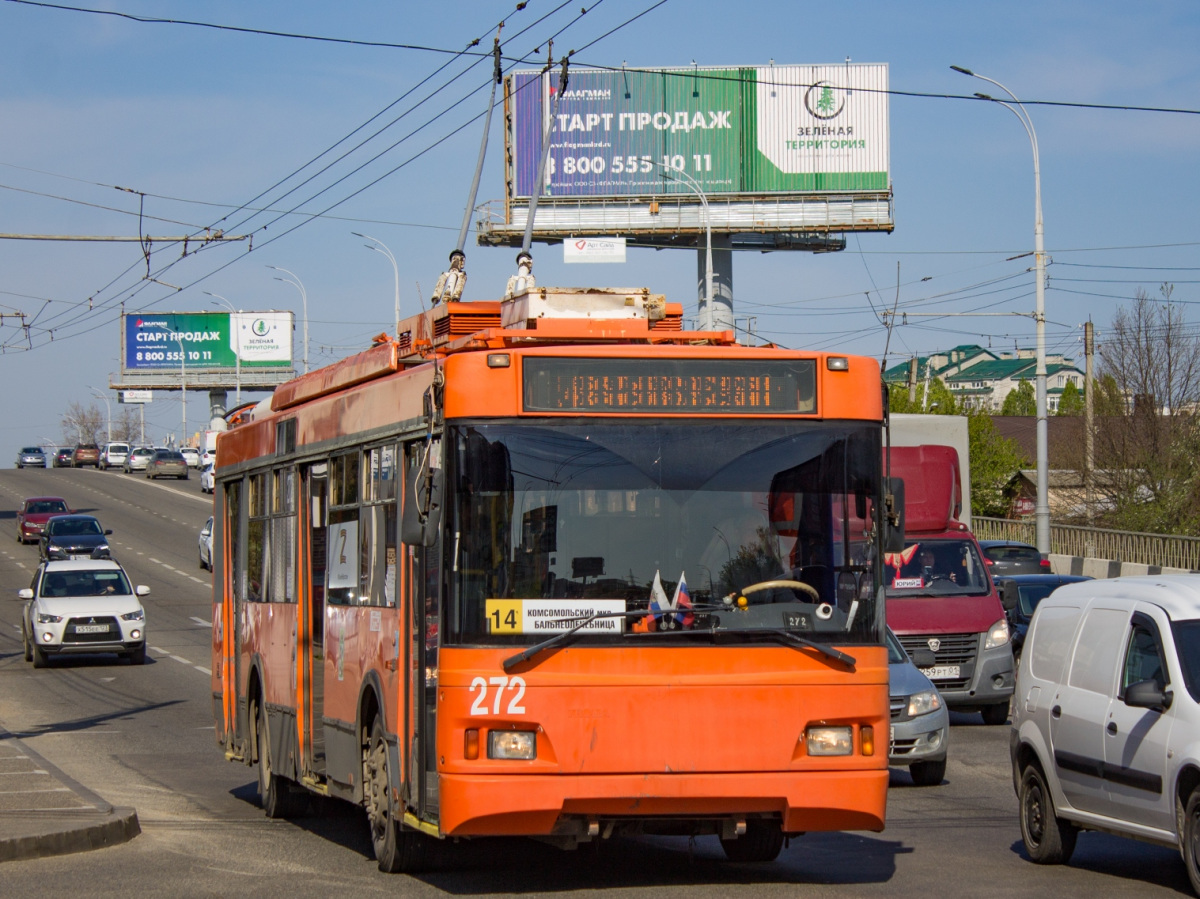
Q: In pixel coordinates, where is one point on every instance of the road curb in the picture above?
(31, 832)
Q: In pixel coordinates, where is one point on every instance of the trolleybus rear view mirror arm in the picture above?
(422, 506)
(893, 503)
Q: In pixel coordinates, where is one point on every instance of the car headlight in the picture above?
(512, 744)
(56, 552)
(101, 551)
(45, 618)
(139, 615)
(923, 703)
(829, 740)
(998, 635)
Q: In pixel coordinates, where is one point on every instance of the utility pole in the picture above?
(1089, 459)
(912, 381)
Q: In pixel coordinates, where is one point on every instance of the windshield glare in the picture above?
(556, 522)
(944, 567)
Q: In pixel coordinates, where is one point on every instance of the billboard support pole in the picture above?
(541, 172)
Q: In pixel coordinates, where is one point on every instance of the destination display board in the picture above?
(665, 386)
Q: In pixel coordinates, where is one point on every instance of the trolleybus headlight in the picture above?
(829, 740)
(512, 744)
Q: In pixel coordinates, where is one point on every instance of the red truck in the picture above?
(939, 594)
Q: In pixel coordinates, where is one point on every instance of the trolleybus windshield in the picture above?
(624, 530)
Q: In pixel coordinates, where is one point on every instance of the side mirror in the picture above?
(1146, 694)
(25, 593)
(422, 506)
(1008, 596)
(107, 531)
(893, 523)
(924, 658)
(141, 590)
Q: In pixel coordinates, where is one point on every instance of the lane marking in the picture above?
(201, 622)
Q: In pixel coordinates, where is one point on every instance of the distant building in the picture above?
(982, 379)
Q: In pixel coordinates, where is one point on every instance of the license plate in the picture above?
(91, 628)
(941, 672)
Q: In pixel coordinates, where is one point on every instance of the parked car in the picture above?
(82, 607)
(137, 459)
(1020, 594)
(64, 457)
(1106, 722)
(191, 455)
(1005, 557)
(207, 479)
(85, 454)
(167, 463)
(35, 512)
(31, 457)
(206, 538)
(920, 729)
(74, 537)
(113, 455)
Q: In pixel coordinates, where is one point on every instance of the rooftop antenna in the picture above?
(451, 282)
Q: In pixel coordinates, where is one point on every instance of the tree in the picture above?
(994, 460)
(1071, 401)
(1149, 442)
(941, 400)
(1021, 400)
(83, 424)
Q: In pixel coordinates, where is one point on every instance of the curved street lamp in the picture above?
(303, 299)
(383, 248)
(108, 404)
(237, 347)
(1042, 509)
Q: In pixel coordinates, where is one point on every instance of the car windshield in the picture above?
(109, 582)
(48, 507)
(74, 527)
(896, 653)
(558, 523)
(944, 567)
(1013, 554)
(32, 450)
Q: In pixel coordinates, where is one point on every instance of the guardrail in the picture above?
(1165, 550)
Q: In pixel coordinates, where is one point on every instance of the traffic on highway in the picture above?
(141, 736)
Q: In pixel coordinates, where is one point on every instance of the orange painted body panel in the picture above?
(661, 731)
(473, 390)
(269, 631)
(359, 640)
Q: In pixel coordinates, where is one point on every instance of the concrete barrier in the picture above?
(1105, 568)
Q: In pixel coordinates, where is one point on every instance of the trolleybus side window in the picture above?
(233, 529)
(257, 555)
(283, 536)
(343, 555)
(378, 527)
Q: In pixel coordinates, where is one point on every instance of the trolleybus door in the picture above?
(425, 590)
(312, 614)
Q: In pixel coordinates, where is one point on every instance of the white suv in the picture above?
(1106, 717)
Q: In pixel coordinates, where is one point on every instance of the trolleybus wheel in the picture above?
(760, 843)
(276, 794)
(397, 848)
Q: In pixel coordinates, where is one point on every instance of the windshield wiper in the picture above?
(788, 637)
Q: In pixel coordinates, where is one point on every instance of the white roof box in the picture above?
(600, 303)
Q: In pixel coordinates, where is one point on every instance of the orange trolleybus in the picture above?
(553, 566)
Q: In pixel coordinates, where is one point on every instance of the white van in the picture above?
(1106, 717)
(113, 455)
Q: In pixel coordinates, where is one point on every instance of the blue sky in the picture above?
(203, 121)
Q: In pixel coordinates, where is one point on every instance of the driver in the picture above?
(932, 570)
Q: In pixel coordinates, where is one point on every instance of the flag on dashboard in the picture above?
(682, 603)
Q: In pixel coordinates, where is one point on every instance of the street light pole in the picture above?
(383, 248)
(237, 348)
(109, 407)
(182, 391)
(303, 299)
(690, 182)
(1042, 508)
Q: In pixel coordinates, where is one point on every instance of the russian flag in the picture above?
(682, 603)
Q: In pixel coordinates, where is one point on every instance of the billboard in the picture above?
(746, 130)
(206, 343)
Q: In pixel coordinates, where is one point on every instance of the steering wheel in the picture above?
(769, 585)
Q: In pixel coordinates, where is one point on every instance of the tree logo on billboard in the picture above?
(260, 328)
(823, 101)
